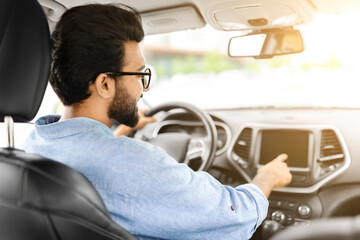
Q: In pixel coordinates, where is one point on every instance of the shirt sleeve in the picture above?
(177, 203)
(260, 200)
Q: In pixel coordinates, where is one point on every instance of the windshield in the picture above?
(193, 66)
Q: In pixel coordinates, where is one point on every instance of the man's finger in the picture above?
(282, 157)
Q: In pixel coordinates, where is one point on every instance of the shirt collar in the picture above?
(50, 126)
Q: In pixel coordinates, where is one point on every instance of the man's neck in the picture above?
(88, 111)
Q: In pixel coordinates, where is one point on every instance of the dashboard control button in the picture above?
(238, 159)
(289, 219)
(304, 211)
(291, 205)
(330, 168)
(235, 157)
(278, 216)
(283, 204)
(274, 203)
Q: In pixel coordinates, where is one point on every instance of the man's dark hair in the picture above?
(89, 40)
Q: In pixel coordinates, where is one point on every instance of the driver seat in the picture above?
(39, 198)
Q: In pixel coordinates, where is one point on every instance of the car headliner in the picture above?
(55, 8)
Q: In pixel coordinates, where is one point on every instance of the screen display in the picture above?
(294, 143)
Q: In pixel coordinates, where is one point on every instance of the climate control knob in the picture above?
(278, 216)
(304, 211)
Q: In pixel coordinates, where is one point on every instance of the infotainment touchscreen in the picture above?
(294, 143)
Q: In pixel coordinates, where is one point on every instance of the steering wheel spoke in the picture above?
(196, 150)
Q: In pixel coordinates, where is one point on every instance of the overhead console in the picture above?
(316, 153)
(234, 15)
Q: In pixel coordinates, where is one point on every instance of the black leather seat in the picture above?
(39, 198)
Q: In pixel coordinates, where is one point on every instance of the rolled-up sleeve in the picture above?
(260, 200)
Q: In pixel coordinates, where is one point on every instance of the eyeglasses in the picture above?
(145, 76)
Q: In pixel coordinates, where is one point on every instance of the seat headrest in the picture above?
(24, 58)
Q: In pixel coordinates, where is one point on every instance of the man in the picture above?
(98, 73)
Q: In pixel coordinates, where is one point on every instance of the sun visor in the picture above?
(259, 14)
(172, 20)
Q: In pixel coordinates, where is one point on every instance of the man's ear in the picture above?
(104, 86)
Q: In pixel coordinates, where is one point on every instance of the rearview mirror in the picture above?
(266, 44)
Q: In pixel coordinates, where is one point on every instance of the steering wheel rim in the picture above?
(206, 121)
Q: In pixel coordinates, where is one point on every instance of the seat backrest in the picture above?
(39, 198)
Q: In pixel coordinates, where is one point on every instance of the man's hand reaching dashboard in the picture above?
(274, 174)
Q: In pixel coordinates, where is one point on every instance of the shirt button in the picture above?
(232, 208)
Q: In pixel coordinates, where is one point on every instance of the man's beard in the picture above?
(123, 109)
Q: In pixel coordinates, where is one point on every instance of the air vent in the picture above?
(330, 147)
(242, 144)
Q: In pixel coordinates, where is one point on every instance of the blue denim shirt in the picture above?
(145, 190)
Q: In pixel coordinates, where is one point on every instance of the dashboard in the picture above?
(322, 146)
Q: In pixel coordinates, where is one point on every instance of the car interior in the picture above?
(44, 199)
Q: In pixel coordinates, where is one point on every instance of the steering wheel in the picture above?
(196, 151)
